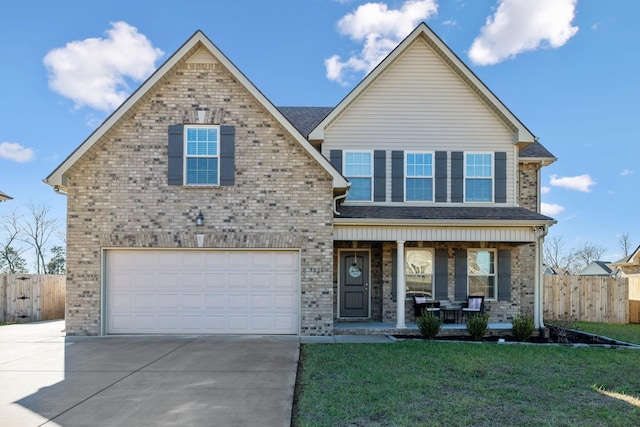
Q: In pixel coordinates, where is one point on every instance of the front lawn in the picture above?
(627, 333)
(422, 383)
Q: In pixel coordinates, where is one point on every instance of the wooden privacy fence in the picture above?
(31, 297)
(586, 298)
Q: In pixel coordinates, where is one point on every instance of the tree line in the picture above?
(574, 260)
(30, 236)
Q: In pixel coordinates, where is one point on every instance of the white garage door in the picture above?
(184, 291)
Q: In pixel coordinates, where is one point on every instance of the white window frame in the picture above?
(406, 175)
(408, 274)
(490, 178)
(205, 156)
(370, 176)
(494, 274)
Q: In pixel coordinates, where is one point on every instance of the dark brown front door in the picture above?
(354, 284)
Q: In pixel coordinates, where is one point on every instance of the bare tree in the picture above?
(555, 255)
(587, 253)
(625, 243)
(38, 231)
(11, 234)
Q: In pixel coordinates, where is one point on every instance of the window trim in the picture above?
(370, 176)
(494, 275)
(432, 251)
(431, 177)
(491, 178)
(186, 155)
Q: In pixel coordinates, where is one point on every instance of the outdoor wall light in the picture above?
(200, 219)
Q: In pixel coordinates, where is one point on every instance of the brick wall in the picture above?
(118, 194)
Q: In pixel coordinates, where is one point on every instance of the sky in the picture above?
(568, 69)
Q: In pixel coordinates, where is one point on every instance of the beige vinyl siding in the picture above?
(419, 103)
(432, 234)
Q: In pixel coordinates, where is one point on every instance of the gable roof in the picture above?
(596, 268)
(4, 197)
(633, 259)
(57, 179)
(305, 119)
(524, 136)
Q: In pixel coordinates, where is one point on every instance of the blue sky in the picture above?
(567, 68)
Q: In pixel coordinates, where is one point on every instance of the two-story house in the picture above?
(200, 207)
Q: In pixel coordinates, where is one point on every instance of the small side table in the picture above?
(451, 314)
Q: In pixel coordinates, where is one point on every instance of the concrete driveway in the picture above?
(53, 380)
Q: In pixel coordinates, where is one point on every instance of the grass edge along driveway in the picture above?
(422, 383)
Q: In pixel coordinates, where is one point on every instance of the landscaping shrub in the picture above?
(429, 324)
(523, 327)
(477, 325)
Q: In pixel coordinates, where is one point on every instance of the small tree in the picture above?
(58, 263)
(11, 262)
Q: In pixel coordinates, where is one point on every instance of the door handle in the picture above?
(366, 286)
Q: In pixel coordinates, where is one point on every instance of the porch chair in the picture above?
(420, 303)
(474, 305)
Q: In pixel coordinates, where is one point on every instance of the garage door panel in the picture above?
(174, 291)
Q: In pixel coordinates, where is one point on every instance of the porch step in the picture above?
(381, 328)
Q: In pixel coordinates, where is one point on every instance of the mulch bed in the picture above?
(569, 336)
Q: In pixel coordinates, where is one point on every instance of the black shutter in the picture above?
(457, 177)
(441, 176)
(441, 274)
(397, 176)
(394, 275)
(175, 155)
(504, 275)
(335, 157)
(379, 175)
(461, 275)
(227, 155)
(500, 183)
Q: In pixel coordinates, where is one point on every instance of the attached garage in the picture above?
(202, 291)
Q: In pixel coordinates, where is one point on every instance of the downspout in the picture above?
(335, 202)
(538, 301)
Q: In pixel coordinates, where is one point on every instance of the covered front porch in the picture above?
(373, 289)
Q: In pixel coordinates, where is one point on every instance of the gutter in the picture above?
(442, 222)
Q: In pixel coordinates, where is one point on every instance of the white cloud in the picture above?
(94, 72)
(15, 152)
(522, 25)
(581, 182)
(550, 209)
(380, 29)
(626, 172)
(545, 189)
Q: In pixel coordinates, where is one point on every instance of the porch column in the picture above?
(400, 282)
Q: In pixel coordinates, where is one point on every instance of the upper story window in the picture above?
(481, 265)
(418, 177)
(201, 155)
(478, 177)
(359, 171)
(419, 271)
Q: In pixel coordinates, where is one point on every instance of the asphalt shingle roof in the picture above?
(440, 213)
(536, 150)
(305, 118)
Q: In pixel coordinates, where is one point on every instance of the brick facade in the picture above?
(118, 194)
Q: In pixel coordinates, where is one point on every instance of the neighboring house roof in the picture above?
(633, 259)
(524, 137)
(441, 214)
(198, 40)
(596, 268)
(4, 197)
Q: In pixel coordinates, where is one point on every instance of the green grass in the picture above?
(423, 383)
(627, 333)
